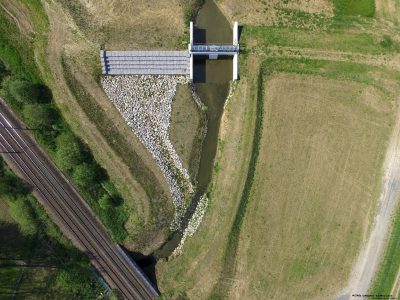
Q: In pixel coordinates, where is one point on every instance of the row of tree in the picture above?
(34, 102)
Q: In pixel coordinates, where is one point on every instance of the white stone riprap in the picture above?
(193, 225)
(145, 102)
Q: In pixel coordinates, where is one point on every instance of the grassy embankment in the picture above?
(386, 277)
(323, 141)
(37, 261)
(77, 32)
(25, 91)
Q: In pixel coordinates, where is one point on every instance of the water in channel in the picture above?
(211, 78)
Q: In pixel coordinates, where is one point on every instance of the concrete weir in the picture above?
(168, 62)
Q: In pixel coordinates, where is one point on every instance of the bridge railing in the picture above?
(214, 48)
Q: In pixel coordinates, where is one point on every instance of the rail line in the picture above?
(71, 211)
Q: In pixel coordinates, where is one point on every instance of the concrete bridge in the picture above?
(168, 62)
(215, 50)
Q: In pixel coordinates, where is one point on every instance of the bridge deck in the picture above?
(214, 48)
(145, 62)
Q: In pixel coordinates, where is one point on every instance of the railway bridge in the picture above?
(168, 62)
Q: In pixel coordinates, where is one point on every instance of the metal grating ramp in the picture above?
(145, 62)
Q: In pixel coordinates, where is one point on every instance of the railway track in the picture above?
(69, 210)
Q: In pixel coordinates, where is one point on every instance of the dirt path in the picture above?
(370, 256)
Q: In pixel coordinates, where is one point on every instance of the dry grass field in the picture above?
(316, 183)
(276, 12)
(388, 10)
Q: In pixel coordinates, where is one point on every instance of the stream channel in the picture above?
(211, 78)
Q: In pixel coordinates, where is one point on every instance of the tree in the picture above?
(87, 176)
(40, 116)
(3, 71)
(24, 214)
(69, 151)
(12, 186)
(24, 91)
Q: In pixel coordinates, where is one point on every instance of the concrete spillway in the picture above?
(145, 62)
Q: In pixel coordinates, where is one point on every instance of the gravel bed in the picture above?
(145, 102)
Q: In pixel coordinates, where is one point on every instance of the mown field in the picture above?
(300, 157)
(318, 172)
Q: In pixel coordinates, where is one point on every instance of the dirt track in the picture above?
(370, 256)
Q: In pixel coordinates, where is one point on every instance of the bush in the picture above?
(10, 186)
(105, 202)
(69, 151)
(27, 92)
(24, 214)
(386, 42)
(3, 71)
(88, 176)
(40, 116)
(24, 91)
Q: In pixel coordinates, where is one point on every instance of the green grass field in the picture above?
(364, 8)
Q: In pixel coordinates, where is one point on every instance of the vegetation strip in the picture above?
(118, 143)
(68, 269)
(221, 289)
(385, 278)
(23, 89)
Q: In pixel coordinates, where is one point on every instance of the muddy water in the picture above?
(211, 78)
(212, 87)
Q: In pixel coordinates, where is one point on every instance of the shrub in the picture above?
(105, 202)
(386, 42)
(40, 116)
(24, 91)
(10, 186)
(3, 71)
(69, 151)
(24, 214)
(190, 9)
(88, 176)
